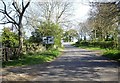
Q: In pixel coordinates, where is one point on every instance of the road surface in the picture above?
(75, 64)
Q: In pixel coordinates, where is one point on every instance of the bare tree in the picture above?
(52, 10)
(83, 30)
(15, 17)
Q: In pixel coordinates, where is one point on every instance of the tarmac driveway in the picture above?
(75, 64)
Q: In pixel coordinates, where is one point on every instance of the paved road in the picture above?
(74, 65)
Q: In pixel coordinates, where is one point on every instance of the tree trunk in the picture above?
(95, 35)
(118, 29)
(119, 36)
(20, 40)
(6, 54)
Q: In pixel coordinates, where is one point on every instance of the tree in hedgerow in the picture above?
(13, 13)
(47, 29)
(9, 38)
(70, 35)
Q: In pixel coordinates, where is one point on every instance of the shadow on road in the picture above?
(74, 65)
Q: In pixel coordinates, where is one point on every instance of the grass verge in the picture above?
(110, 53)
(33, 58)
(90, 47)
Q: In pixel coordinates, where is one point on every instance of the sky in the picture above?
(80, 13)
(81, 10)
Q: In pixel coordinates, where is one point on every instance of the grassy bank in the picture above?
(110, 53)
(33, 58)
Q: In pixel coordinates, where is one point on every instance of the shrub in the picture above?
(107, 44)
(101, 44)
(85, 43)
(112, 54)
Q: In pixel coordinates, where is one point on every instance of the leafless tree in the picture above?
(14, 16)
(52, 10)
(83, 30)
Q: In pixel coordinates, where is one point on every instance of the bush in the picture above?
(95, 44)
(47, 29)
(112, 54)
(101, 44)
(85, 43)
(107, 44)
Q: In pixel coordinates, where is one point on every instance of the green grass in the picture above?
(110, 53)
(91, 48)
(33, 58)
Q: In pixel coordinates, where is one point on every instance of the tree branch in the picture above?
(4, 5)
(23, 10)
(15, 6)
(64, 9)
(7, 14)
(7, 22)
(22, 5)
(2, 11)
